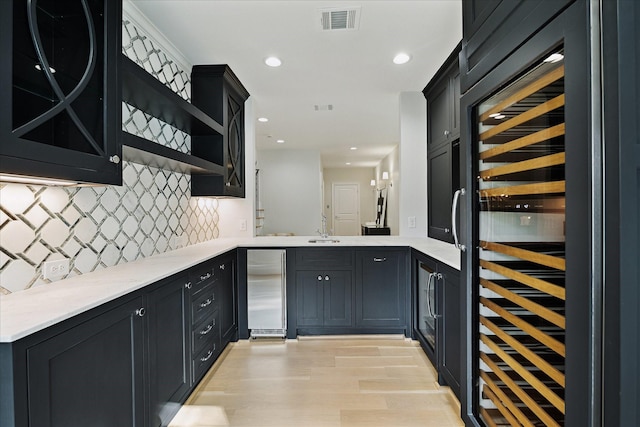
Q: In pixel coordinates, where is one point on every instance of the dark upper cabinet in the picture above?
(381, 287)
(169, 357)
(492, 29)
(443, 136)
(443, 102)
(440, 192)
(92, 373)
(217, 91)
(60, 113)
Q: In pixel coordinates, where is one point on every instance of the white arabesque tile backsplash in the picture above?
(98, 227)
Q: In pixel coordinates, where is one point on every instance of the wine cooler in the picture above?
(521, 221)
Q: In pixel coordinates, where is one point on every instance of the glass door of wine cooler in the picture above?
(519, 147)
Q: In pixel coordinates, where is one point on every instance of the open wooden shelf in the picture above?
(145, 152)
(143, 91)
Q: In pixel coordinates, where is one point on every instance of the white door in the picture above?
(346, 209)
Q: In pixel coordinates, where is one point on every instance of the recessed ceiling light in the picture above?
(272, 61)
(499, 117)
(280, 141)
(401, 58)
(353, 148)
(348, 163)
(263, 119)
(554, 57)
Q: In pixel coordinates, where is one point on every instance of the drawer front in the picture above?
(205, 333)
(201, 277)
(333, 258)
(203, 305)
(203, 361)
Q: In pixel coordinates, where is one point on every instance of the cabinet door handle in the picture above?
(140, 312)
(379, 259)
(206, 330)
(327, 278)
(446, 133)
(114, 159)
(187, 285)
(319, 278)
(208, 356)
(454, 210)
(206, 303)
(221, 266)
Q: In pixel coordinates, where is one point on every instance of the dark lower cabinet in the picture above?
(449, 368)
(225, 271)
(437, 316)
(90, 375)
(169, 368)
(128, 363)
(349, 291)
(381, 288)
(323, 298)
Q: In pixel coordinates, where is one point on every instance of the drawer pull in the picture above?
(140, 312)
(327, 278)
(206, 303)
(221, 266)
(187, 285)
(205, 277)
(319, 277)
(207, 357)
(379, 259)
(208, 329)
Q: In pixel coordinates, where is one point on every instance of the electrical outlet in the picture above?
(179, 242)
(412, 222)
(243, 225)
(53, 270)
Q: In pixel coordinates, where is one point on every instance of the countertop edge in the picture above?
(21, 312)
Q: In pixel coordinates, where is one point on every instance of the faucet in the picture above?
(324, 234)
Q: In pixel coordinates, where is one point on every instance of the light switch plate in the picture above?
(243, 225)
(412, 222)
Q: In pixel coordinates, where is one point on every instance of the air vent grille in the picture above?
(340, 19)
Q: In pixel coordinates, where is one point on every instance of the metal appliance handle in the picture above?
(429, 310)
(454, 211)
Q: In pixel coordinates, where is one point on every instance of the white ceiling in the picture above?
(349, 69)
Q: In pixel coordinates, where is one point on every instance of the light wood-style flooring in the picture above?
(322, 382)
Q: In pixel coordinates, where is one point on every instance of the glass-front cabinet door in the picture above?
(61, 100)
(520, 153)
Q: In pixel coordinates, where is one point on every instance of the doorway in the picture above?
(346, 209)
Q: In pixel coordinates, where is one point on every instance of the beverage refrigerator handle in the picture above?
(454, 211)
(429, 310)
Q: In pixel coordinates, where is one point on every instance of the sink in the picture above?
(324, 241)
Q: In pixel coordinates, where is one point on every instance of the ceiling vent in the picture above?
(340, 19)
(325, 107)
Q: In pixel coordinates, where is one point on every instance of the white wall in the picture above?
(290, 191)
(413, 163)
(391, 164)
(361, 176)
(234, 213)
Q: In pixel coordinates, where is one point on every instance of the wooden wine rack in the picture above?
(521, 295)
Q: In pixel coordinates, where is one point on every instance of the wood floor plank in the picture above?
(322, 383)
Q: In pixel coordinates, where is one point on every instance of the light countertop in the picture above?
(25, 312)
